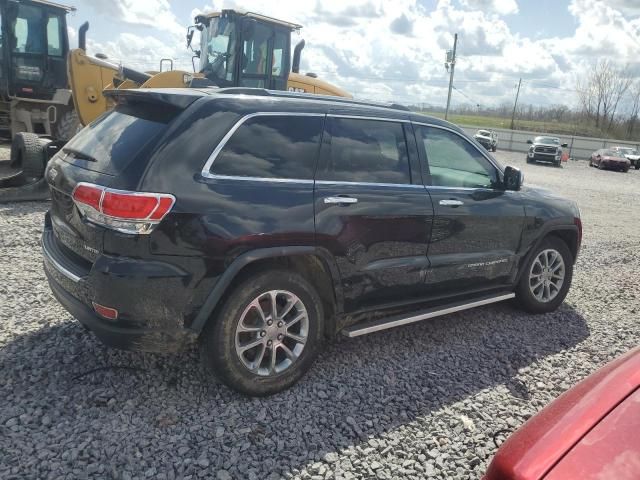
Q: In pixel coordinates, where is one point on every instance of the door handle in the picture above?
(341, 200)
(451, 203)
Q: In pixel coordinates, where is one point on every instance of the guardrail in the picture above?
(580, 148)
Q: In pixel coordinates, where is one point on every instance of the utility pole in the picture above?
(451, 62)
(515, 105)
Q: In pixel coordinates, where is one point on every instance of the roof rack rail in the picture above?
(263, 92)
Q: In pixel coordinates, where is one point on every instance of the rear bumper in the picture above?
(147, 321)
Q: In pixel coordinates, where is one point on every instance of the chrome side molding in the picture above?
(384, 323)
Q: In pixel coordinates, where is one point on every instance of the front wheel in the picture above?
(267, 334)
(546, 278)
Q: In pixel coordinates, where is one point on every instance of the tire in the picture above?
(626, 170)
(525, 298)
(638, 165)
(590, 163)
(30, 154)
(66, 126)
(219, 340)
(494, 148)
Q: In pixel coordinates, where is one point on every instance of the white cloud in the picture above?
(501, 7)
(395, 51)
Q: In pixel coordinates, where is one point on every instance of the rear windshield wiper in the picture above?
(79, 155)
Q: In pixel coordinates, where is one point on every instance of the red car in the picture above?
(590, 432)
(607, 158)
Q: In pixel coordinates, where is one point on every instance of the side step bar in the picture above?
(384, 323)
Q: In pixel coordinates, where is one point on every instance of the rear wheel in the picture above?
(267, 334)
(29, 154)
(546, 278)
(637, 164)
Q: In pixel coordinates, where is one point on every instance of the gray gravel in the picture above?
(426, 400)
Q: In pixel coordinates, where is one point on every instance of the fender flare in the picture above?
(543, 234)
(223, 283)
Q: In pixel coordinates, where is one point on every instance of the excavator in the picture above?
(236, 49)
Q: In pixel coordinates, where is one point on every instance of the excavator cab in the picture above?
(239, 49)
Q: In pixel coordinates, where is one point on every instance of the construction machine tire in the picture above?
(30, 153)
(67, 126)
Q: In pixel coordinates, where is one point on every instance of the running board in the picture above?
(384, 323)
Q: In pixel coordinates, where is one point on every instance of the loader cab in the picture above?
(245, 49)
(34, 47)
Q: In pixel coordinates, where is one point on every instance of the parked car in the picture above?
(258, 223)
(611, 159)
(488, 139)
(630, 154)
(545, 149)
(590, 432)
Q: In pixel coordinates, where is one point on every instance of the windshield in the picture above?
(547, 140)
(612, 153)
(217, 51)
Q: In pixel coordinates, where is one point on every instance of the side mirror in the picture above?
(190, 32)
(529, 142)
(564, 145)
(513, 178)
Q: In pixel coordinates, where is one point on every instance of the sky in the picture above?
(395, 51)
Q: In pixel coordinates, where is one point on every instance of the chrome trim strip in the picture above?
(369, 184)
(71, 276)
(367, 117)
(484, 154)
(206, 169)
(354, 331)
(260, 179)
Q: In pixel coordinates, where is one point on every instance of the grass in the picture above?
(558, 128)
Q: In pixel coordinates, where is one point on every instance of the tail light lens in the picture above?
(124, 211)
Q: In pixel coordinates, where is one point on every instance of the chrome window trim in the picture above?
(441, 127)
(370, 184)
(260, 179)
(368, 117)
(206, 169)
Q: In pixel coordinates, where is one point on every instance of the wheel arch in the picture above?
(315, 264)
(567, 233)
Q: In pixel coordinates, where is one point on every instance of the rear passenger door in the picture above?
(478, 224)
(372, 211)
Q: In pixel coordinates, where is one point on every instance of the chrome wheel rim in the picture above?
(272, 332)
(546, 276)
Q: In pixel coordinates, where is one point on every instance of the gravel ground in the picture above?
(428, 400)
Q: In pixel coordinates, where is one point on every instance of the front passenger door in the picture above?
(477, 224)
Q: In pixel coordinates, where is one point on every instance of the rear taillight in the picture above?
(124, 211)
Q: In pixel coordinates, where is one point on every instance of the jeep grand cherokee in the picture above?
(259, 223)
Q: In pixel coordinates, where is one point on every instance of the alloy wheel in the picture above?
(547, 275)
(272, 332)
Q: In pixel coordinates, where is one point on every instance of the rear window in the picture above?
(114, 140)
(283, 147)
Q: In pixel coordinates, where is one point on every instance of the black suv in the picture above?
(260, 223)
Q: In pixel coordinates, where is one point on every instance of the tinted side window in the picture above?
(54, 38)
(272, 147)
(371, 151)
(454, 162)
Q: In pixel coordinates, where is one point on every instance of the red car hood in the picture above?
(610, 450)
(547, 437)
